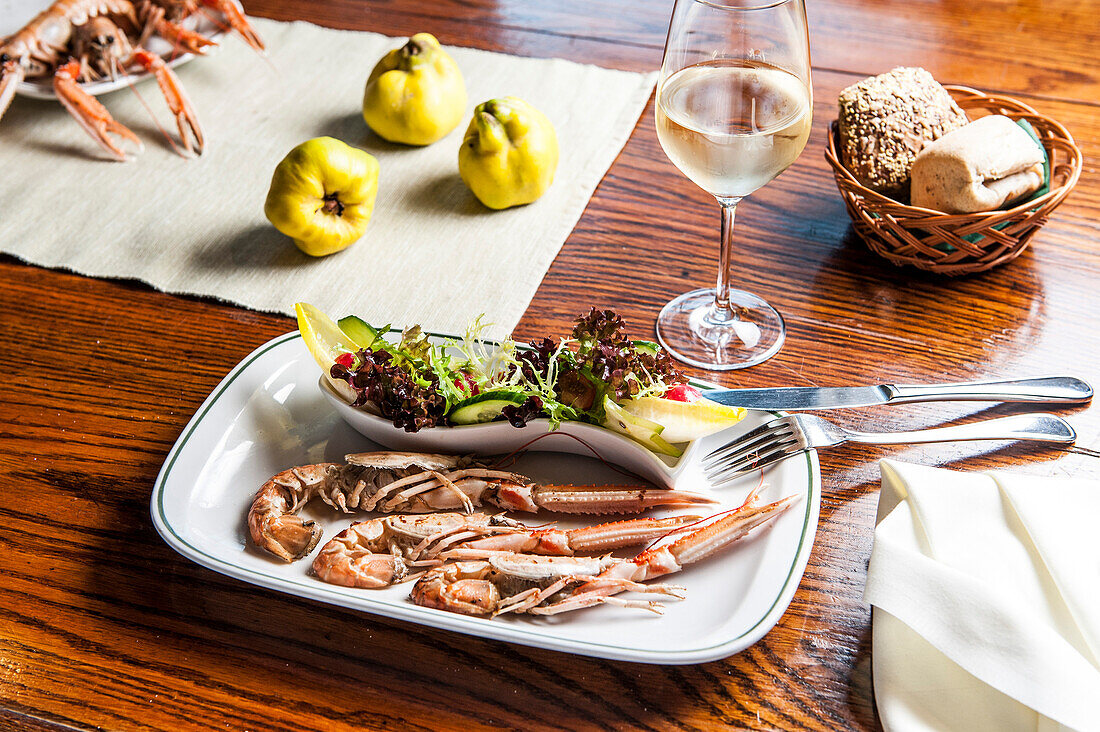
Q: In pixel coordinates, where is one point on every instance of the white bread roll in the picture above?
(978, 167)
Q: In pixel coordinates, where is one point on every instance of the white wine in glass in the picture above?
(734, 107)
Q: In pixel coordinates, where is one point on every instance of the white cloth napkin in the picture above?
(986, 595)
(432, 255)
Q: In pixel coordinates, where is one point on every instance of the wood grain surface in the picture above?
(103, 626)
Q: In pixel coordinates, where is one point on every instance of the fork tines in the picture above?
(755, 449)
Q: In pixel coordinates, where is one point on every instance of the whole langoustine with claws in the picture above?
(551, 585)
(76, 41)
(390, 549)
(396, 482)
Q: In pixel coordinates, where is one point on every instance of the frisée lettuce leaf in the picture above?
(417, 383)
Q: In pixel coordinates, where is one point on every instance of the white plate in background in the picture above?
(14, 14)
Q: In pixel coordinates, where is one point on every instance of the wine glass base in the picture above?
(693, 331)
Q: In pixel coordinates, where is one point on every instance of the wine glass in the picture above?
(734, 105)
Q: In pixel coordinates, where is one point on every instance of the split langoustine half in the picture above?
(390, 549)
(393, 482)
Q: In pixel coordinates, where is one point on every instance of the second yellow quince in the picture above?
(415, 95)
(509, 154)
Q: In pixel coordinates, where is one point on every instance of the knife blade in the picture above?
(1047, 389)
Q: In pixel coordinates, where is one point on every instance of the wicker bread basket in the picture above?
(962, 243)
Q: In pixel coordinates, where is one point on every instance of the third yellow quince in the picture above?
(415, 95)
(509, 154)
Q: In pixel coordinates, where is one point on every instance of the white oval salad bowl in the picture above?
(500, 438)
(578, 438)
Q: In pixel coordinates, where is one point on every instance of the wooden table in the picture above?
(101, 624)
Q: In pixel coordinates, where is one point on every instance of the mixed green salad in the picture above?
(597, 375)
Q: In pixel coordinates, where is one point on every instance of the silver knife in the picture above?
(1050, 389)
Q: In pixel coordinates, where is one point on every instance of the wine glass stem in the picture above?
(723, 311)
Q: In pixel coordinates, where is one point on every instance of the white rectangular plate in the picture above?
(268, 414)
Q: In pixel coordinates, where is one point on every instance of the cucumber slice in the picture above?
(647, 347)
(640, 429)
(485, 407)
(360, 331)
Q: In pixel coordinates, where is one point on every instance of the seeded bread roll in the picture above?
(886, 120)
(979, 167)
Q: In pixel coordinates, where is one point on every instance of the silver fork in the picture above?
(786, 436)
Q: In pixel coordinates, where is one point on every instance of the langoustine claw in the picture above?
(178, 103)
(98, 122)
(237, 21)
(92, 116)
(390, 482)
(381, 552)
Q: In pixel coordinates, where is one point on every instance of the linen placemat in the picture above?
(432, 255)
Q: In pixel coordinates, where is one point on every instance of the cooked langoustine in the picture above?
(106, 37)
(542, 586)
(38, 48)
(385, 550)
(396, 482)
(522, 583)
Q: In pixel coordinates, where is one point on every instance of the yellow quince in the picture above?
(322, 195)
(415, 95)
(509, 154)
